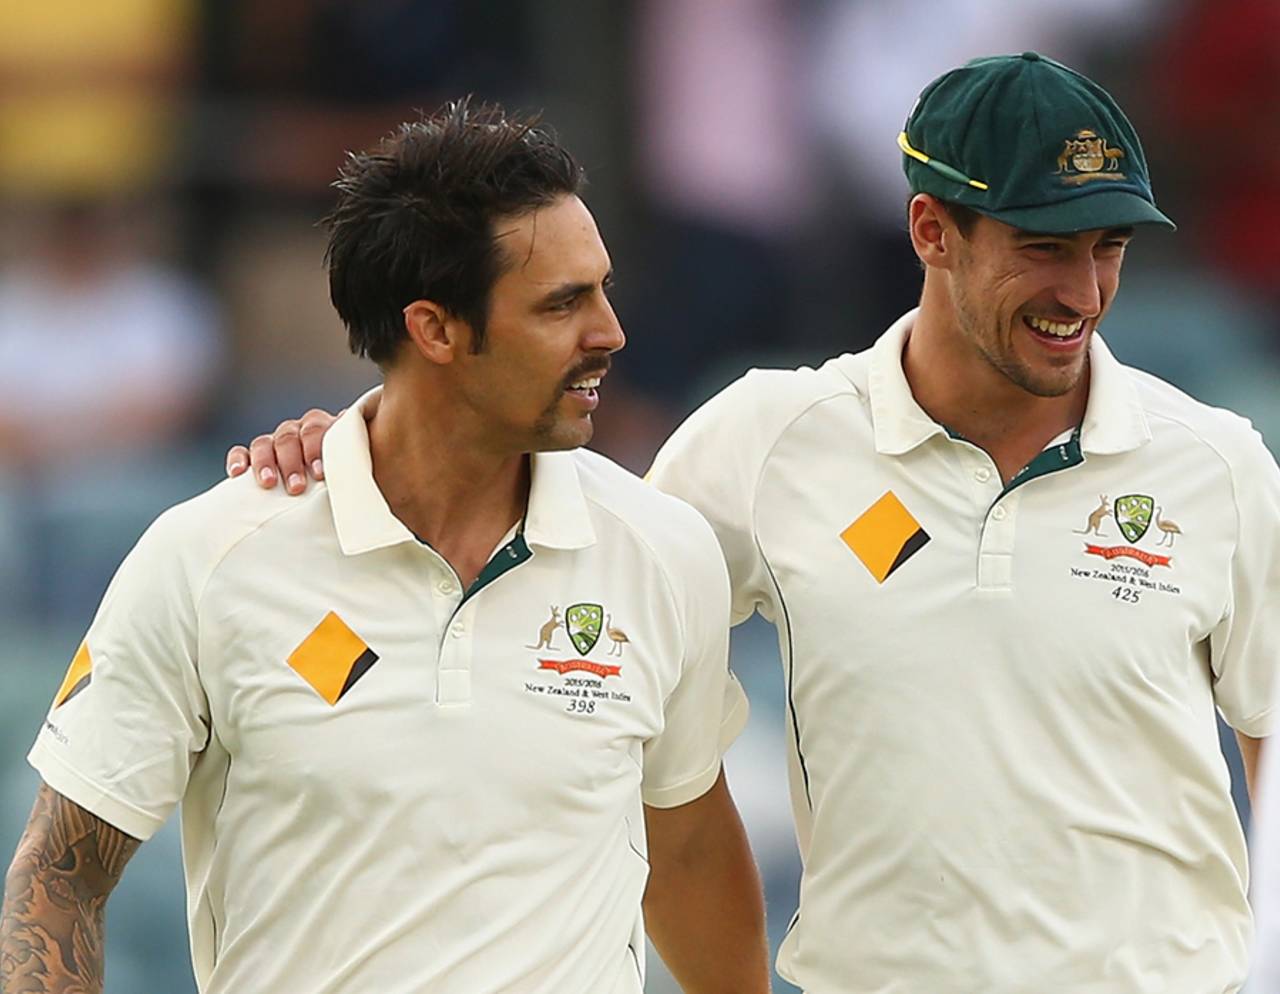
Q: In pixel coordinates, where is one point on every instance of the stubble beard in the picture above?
(551, 431)
(983, 333)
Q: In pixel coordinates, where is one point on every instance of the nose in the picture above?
(1080, 288)
(604, 332)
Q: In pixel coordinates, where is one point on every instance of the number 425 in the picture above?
(1129, 595)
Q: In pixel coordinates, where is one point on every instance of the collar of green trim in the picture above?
(1064, 455)
(507, 558)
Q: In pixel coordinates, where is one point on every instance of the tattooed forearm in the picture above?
(51, 928)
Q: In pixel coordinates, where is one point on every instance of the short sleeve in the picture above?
(130, 717)
(707, 709)
(713, 461)
(1245, 645)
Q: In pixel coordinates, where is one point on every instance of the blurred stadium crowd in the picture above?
(163, 164)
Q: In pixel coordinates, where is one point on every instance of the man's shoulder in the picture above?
(759, 406)
(1228, 434)
(781, 394)
(667, 524)
(202, 530)
(628, 497)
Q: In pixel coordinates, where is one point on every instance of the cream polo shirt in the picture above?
(388, 787)
(1005, 768)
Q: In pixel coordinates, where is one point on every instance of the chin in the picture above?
(564, 435)
(1051, 385)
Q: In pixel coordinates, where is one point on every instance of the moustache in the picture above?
(597, 364)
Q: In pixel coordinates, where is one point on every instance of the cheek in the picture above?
(991, 288)
(506, 387)
(535, 387)
(1012, 287)
(1108, 282)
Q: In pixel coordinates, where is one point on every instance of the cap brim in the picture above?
(1094, 211)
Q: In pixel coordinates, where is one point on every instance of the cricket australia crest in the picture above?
(1133, 514)
(1086, 157)
(584, 623)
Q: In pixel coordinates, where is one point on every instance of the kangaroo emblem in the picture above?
(547, 632)
(1096, 517)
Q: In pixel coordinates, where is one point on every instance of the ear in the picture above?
(934, 234)
(436, 335)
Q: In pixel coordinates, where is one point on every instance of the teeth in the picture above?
(590, 383)
(1054, 327)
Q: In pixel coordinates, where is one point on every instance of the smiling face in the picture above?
(1029, 303)
(549, 334)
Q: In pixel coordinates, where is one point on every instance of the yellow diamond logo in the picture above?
(332, 658)
(885, 536)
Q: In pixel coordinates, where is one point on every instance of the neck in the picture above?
(440, 479)
(959, 388)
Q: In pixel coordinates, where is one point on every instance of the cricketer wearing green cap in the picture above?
(1029, 142)
(1013, 582)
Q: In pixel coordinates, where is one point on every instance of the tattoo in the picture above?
(51, 928)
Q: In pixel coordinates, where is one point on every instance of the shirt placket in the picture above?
(453, 649)
(456, 619)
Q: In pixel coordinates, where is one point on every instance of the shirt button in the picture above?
(445, 586)
(458, 629)
(999, 513)
(982, 475)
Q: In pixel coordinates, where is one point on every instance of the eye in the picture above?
(564, 306)
(1046, 247)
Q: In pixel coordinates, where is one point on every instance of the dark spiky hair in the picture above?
(415, 217)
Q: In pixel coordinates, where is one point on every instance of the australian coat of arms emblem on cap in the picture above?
(1087, 156)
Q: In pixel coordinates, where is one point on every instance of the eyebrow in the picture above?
(568, 291)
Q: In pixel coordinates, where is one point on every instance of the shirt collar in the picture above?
(899, 423)
(1114, 420)
(361, 516)
(556, 517)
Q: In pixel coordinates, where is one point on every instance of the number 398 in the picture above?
(580, 706)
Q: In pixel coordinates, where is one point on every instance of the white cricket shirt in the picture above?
(1005, 768)
(388, 787)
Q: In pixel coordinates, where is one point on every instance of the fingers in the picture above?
(237, 460)
(286, 443)
(311, 434)
(289, 453)
(262, 458)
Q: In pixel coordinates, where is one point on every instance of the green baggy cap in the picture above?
(1029, 142)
